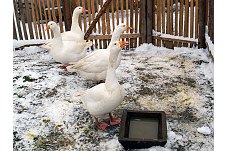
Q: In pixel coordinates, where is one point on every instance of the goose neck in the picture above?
(75, 25)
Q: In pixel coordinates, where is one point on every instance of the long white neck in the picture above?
(111, 79)
(75, 25)
(57, 37)
(115, 36)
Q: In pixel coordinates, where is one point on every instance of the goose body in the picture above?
(65, 51)
(105, 97)
(94, 66)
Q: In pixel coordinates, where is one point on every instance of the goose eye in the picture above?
(123, 25)
(115, 44)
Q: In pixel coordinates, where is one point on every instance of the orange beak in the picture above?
(128, 27)
(84, 10)
(47, 27)
(123, 43)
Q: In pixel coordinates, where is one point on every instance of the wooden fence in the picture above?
(158, 21)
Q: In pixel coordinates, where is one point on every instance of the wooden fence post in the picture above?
(149, 21)
(14, 30)
(211, 20)
(202, 23)
(67, 14)
(144, 21)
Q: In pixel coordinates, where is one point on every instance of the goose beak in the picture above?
(128, 27)
(84, 10)
(47, 27)
(123, 43)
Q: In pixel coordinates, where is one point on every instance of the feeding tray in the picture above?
(142, 129)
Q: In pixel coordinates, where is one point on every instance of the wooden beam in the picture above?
(67, 14)
(101, 12)
(202, 23)
(211, 20)
(172, 40)
(149, 21)
(91, 37)
(143, 21)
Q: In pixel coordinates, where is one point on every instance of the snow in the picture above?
(209, 42)
(204, 130)
(20, 43)
(49, 116)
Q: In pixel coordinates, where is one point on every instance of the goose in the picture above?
(65, 51)
(75, 34)
(94, 65)
(105, 97)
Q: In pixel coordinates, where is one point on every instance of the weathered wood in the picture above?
(136, 19)
(131, 44)
(196, 18)
(159, 20)
(112, 11)
(37, 19)
(84, 17)
(41, 19)
(105, 37)
(34, 19)
(186, 20)
(103, 26)
(202, 24)
(53, 10)
(122, 10)
(46, 19)
(22, 15)
(117, 13)
(149, 21)
(93, 12)
(101, 12)
(28, 15)
(67, 15)
(172, 40)
(14, 30)
(191, 19)
(211, 20)
(108, 20)
(127, 20)
(17, 19)
(60, 15)
(78, 3)
(140, 20)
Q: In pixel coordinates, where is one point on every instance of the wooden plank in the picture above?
(103, 26)
(169, 44)
(154, 20)
(22, 15)
(49, 15)
(176, 21)
(99, 24)
(41, 19)
(171, 17)
(78, 3)
(136, 20)
(37, 19)
(46, 19)
(84, 17)
(202, 24)
(131, 44)
(211, 20)
(53, 10)
(149, 22)
(67, 15)
(207, 11)
(196, 18)
(113, 18)
(172, 40)
(168, 17)
(14, 29)
(191, 19)
(34, 19)
(101, 12)
(60, 15)
(89, 11)
(28, 15)
(17, 20)
(127, 19)
(105, 37)
(181, 20)
(108, 21)
(158, 20)
(186, 20)
(163, 16)
(93, 13)
(117, 14)
(122, 10)
(141, 23)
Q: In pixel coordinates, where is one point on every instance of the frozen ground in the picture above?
(49, 116)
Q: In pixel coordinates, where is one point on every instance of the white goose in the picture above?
(94, 66)
(75, 34)
(65, 51)
(105, 97)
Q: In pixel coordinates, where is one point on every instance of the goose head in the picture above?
(122, 27)
(115, 48)
(79, 10)
(51, 25)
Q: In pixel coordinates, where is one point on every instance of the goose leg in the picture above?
(114, 121)
(100, 125)
(63, 67)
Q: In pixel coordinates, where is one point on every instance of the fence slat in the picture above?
(28, 15)
(122, 10)
(14, 29)
(196, 18)
(176, 22)
(211, 20)
(103, 26)
(41, 19)
(89, 11)
(37, 19)
(78, 3)
(84, 17)
(136, 20)
(46, 19)
(191, 19)
(112, 11)
(108, 20)
(186, 19)
(60, 15)
(127, 20)
(117, 13)
(202, 24)
(49, 15)
(17, 19)
(141, 17)
(131, 23)
(22, 15)
(150, 20)
(158, 20)
(34, 19)
(53, 10)
(171, 17)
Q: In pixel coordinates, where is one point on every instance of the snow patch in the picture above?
(204, 130)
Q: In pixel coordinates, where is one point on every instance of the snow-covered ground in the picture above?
(48, 115)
